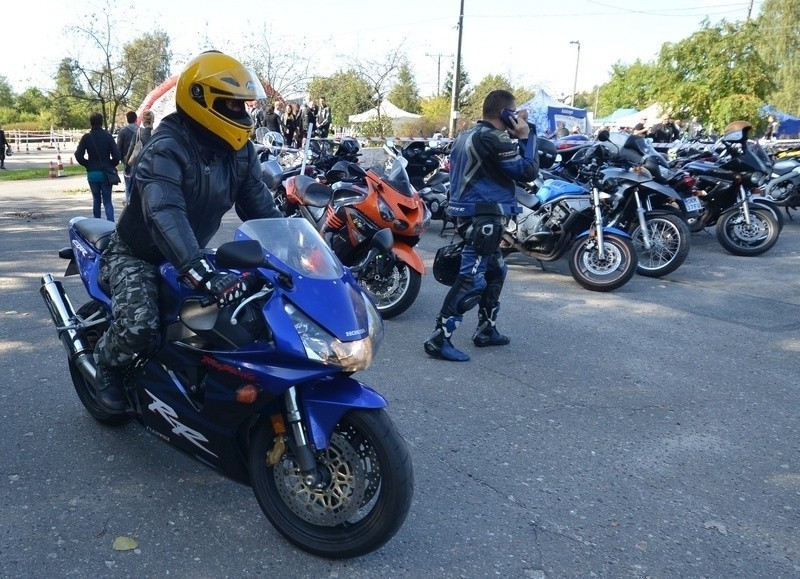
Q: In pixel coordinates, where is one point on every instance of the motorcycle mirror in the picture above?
(390, 143)
(603, 135)
(242, 254)
(383, 240)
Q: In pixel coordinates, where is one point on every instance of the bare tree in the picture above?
(279, 62)
(380, 74)
(110, 68)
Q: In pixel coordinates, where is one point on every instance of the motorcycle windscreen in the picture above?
(322, 289)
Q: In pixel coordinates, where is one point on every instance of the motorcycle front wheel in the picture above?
(368, 484)
(85, 389)
(739, 238)
(393, 287)
(669, 245)
(602, 273)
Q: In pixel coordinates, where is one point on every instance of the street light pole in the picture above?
(577, 61)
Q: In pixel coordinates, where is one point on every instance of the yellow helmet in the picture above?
(212, 90)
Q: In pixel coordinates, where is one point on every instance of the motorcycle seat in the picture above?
(95, 231)
(313, 193)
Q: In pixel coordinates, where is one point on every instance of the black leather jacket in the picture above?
(181, 189)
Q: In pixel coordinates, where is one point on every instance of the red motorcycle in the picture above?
(350, 209)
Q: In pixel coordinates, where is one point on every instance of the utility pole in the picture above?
(438, 58)
(456, 77)
(749, 10)
(577, 61)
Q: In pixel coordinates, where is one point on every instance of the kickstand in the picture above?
(789, 215)
(541, 264)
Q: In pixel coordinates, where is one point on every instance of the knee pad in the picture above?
(464, 295)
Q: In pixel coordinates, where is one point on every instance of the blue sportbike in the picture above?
(261, 391)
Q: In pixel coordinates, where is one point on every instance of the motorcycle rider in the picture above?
(197, 165)
(485, 163)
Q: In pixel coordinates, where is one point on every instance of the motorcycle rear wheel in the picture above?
(740, 239)
(669, 237)
(365, 501)
(393, 293)
(85, 389)
(602, 274)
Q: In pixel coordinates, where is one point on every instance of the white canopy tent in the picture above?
(387, 109)
(651, 113)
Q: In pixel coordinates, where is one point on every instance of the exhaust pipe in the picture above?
(78, 348)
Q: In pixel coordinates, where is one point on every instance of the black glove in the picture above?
(227, 288)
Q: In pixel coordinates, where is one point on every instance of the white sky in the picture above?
(526, 40)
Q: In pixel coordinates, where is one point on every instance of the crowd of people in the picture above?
(292, 120)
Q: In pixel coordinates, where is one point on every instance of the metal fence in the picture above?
(56, 139)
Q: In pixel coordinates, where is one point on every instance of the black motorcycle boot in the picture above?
(439, 344)
(487, 334)
(110, 389)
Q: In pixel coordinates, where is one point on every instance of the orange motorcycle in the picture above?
(350, 208)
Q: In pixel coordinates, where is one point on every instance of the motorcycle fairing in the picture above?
(326, 401)
(407, 254)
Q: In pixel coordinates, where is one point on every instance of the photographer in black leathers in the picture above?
(485, 163)
(197, 165)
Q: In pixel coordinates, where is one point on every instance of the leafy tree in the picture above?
(716, 74)
(435, 114)
(463, 86)
(473, 109)
(146, 61)
(405, 93)
(69, 104)
(778, 42)
(631, 86)
(346, 92)
(32, 102)
(6, 93)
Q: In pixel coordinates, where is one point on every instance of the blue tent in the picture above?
(789, 126)
(545, 112)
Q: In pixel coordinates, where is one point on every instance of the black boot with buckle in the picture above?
(487, 334)
(110, 388)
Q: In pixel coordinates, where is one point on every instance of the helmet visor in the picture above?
(238, 83)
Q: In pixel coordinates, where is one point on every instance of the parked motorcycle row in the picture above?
(263, 391)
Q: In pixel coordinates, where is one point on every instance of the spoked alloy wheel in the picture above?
(393, 287)
(739, 238)
(669, 245)
(365, 496)
(607, 272)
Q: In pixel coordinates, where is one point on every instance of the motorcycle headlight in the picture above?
(757, 178)
(327, 349)
(385, 210)
(422, 226)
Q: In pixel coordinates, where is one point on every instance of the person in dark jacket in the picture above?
(485, 164)
(143, 135)
(4, 145)
(197, 165)
(271, 119)
(124, 138)
(665, 131)
(97, 151)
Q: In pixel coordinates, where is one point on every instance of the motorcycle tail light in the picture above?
(689, 181)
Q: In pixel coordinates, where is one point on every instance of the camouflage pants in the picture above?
(134, 304)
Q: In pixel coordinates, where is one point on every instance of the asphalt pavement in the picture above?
(648, 432)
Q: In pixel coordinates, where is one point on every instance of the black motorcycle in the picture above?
(745, 225)
(426, 171)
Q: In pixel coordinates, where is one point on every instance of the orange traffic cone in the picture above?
(52, 170)
(61, 172)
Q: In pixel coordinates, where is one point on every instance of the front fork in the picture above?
(598, 222)
(745, 204)
(302, 451)
(642, 221)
